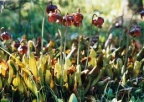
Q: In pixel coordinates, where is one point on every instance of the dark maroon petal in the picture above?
(142, 14)
(5, 36)
(77, 24)
(51, 8)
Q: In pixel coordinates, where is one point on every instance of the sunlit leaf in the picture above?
(60, 100)
(21, 86)
(16, 81)
(67, 51)
(90, 98)
(48, 76)
(57, 70)
(31, 85)
(52, 84)
(65, 78)
(67, 63)
(73, 98)
(32, 65)
(92, 62)
(3, 64)
(3, 67)
(1, 84)
(124, 79)
(92, 53)
(51, 43)
(12, 70)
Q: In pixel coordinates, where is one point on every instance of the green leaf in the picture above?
(132, 99)
(31, 85)
(73, 98)
(4, 100)
(60, 100)
(110, 93)
(32, 65)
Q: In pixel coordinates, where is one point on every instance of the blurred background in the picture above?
(21, 17)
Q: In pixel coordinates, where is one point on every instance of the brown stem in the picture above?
(93, 16)
(50, 2)
(58, 10)
(78, 10)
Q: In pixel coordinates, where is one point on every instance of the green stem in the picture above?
(61, 44)
(121, 33)
(88, 86)
(89, 42)
(63, 59)
(78, 52)
(126, 57)
(105, 91)
(127, 43)
(65, 39)
(88, 47)
(42, 32)
(52, 93)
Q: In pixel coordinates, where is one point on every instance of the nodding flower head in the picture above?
(54, 17)
(5, 36)
(97, 21)
(68, 20)
(78, 17)
(135, 31)
(142, 14)
(51, 7)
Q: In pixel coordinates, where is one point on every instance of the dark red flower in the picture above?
(135, 31)
(22, 49)
(5, 36)
(77, 24)
(54, 17)
(68, 20)
(78, 17)
(51, 8)
(98, 21)
(58, 18)
(16, 44)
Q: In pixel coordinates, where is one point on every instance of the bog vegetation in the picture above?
(83, 68)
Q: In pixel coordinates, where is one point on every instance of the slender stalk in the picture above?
(105, 91)
(88, 86)
(126, 56)
(88, 47)
(89, 42)
(65, 39)
(63, 60)
(78, 51)
(42, 34)
(61, 44)
(121, 33)
(127, 43)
